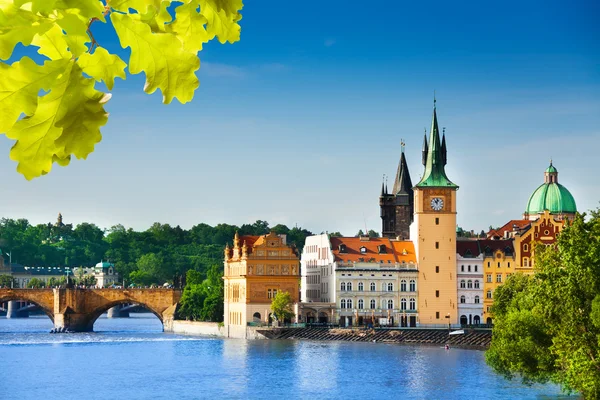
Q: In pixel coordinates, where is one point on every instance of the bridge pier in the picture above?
(12, 311)
(117, 312)
(73, 322)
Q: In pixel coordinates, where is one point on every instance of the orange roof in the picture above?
(508, 227)
(392, 250)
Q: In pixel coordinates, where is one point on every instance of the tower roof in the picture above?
(435, 174)
(551, 196)
(402, 183)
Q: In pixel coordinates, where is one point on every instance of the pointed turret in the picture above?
(425, 149)
(382, 189)
(435, 175)
(444, 157)
(402, 183)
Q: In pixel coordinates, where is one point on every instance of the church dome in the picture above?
(551, 196)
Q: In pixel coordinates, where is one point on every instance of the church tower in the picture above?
(397, 207)
(434, 234)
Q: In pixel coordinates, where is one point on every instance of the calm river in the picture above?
(132, 359)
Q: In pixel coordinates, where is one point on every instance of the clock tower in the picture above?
(434, 234)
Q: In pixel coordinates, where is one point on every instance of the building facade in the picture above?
(104, 273)
(433, 233)
(256, 269)
(469, 272)
(499, 263)
(397, 208)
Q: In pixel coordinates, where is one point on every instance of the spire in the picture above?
(444, 157)
(383, 186)
(402, 183)
(435, 175)
(425, 149)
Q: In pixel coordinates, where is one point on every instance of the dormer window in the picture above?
(381, 249)
(363, 250)
(342, 248)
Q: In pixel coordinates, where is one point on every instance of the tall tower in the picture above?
(397, 207)
(434, 234)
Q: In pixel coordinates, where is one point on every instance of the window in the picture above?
(489, 294)
(526, 262)
(437, 315)
(372, 304)
(476, 284)
(462, 284)
(488, 264)
(437, 221)
(412, 305)
(475, 268)
(403, 285)
(390, 304)
(360, 288)
(363, 250)
(372, 286)
(343, 287)
(525, 247)
(463, 299)
(498, 278)
(437, 269)
(413, 285)
(489, 278)
(403, 304)
(437, 293)
(476, 299)
(343, 303)
(390, 287)
(349, 303)
(437, 245)
(509, 264)
(462, 268)
(469, 268)
(361, 304)
(498, 264)
(469, 284)
(349, 286)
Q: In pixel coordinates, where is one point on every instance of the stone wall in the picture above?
(212, 329)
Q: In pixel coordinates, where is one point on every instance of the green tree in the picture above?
(36, 283)
(282, 306)
(63, 109)
(546, 326)
(360, 233)
(373, 234)
(6, 281)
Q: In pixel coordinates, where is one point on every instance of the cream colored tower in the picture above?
(434, 234)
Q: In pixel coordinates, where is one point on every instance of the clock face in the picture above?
(437, 204)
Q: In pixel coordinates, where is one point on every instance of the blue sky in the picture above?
(298, 121)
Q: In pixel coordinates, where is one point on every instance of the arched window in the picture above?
(361, 304)
(372, 304)
(343, 287)
(349, 286)
(413, 304)
(525, 247)
(403, 285)
(383, 286)
(403, 304)
(343, 303)
(349, 303)
(462, 284)
(476, 299)
(360, 287)
(373, 287)
(476, 284)
(413, 285)
(489, 294)
(475, 268)
(463, 299)
(390, 287)
(469, 284)
(390, 304)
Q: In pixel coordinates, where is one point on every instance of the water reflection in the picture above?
(316, 366)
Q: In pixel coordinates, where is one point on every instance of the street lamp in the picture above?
(448, 317)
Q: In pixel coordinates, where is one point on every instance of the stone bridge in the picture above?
(78, 309)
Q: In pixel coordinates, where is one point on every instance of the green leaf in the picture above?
(141, 6)
(102, 66)
(160, 56)
(19, 88)
(189, 27)
(76, 33)
(67, 121)
(52, 44)
(18, 26)
(222, 19)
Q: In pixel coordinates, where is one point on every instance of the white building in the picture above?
(317, 284)
(469, 265)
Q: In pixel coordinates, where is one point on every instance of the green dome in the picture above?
(553, 197)
(551, 168)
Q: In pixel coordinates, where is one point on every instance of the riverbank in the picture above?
(470, 339)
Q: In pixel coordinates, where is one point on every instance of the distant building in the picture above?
(499, 263)
(256, 269)
(469, 272)
(551, 196)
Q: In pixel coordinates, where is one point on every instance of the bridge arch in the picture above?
(96, 313)
(46, 308)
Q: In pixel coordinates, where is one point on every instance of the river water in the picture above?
(131, 358)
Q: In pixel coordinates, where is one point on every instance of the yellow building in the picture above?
(434, 235)
(256, 269)
(499, 262)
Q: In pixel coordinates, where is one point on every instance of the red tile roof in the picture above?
(395, 251)
(508, 227)
(468, 248)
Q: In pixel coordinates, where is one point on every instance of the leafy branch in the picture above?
(65, 120)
